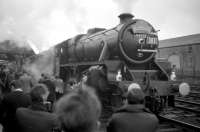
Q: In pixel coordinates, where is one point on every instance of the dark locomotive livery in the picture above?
(126, 53)
(128, 48)
(134, 41)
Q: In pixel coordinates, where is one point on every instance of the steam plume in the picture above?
(35, 49)
(125, 5)
(43, 63)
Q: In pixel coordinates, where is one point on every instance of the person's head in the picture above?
(16, 85)
(17, 76)
(71, 83)
(39, 93)
(135, 94)
(42, 75)
(79, 110)
(96, 75)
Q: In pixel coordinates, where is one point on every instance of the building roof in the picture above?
(9, 49)
(180, 41)
(12, 47)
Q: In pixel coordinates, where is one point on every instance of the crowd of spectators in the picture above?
(49, 105)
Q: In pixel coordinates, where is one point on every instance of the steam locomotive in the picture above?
(127, 52)
(128, 49)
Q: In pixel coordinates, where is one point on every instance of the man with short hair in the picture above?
(133, 116)
(51, 87)
(78, 111)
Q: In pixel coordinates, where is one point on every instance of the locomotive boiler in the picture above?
(134, 41)
(124, 54)
(128, 48)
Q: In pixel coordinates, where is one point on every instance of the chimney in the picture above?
(125, 17)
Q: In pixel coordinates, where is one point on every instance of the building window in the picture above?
(190, 49)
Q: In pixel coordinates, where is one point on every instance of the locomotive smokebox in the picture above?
(125, 17)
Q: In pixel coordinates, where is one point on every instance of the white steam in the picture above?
(35, 49)
(125, 5)
(48, 22)
(43, 63)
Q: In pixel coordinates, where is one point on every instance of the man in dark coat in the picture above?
(11, 101)
(79, 110)
(35, 118)
(51, 87)
(36, 121)
(133, 116)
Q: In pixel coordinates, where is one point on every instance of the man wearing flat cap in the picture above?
(133, 116)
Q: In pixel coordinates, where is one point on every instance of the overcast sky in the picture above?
(48, 22)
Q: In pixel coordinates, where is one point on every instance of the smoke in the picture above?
(48, 22)
(125, 5)
(14, 45)
(43, 63)
(45, 22)
(35, 49)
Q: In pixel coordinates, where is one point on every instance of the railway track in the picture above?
(191, 104)
(181, 118)
(168, 127)
(185, 116)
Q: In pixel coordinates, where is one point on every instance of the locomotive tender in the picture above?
(128, 49)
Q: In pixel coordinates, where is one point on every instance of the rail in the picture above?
(189, 102)
(181, 123)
